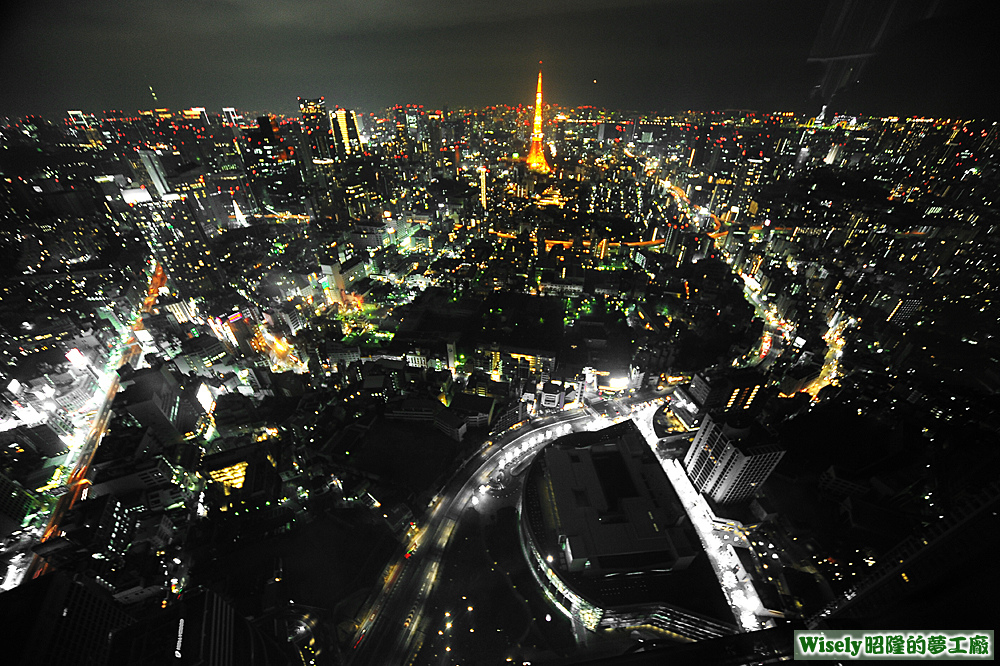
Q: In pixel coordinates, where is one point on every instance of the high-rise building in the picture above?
(80, 120)
(96, 529)
(59, 619)
(15, 504)
(178, 242)
(904, 308)
(536, 155)
(346, 135)
(191, 185)
(231, 117)
(730, 458)
(152, 397)
(316, 123)
(728, 390)
(276, 166)
(196, 113)
(154, 167)
(201, 628)
(45, 439)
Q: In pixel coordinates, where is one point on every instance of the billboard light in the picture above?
(618, 383)
(76, 357)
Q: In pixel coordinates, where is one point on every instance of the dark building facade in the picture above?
(59, 619)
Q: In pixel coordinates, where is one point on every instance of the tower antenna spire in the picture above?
(536, 155)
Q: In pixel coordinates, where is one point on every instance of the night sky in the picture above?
(666, 56)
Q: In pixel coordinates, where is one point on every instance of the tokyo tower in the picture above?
(536, 156)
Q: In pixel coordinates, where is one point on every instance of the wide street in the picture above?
(392, 625)
(77, 480)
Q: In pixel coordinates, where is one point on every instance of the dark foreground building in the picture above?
(200, 629)
(609, 543)
(59, 619)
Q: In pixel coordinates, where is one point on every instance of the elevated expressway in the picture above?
(392, 624)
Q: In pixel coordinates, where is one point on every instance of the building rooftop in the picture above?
(472, 404)
(614, 508)
(600, 504)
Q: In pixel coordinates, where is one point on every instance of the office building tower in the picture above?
(201, 628)
(154, 167)
(93, 536)
(152, 398)
(82, 125)
(197, 114)
(230, 116)
(45, 438)
(191, 186)
(80, 120)
(347, 137)
(59, 619)
(275, 170)
(178, 242)
(730, 458)
(221, 156)
(904, 309)
(728, 390)
(316, 125)
(15, 505)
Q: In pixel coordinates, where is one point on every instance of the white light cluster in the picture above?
(529, 442)
(743, 598)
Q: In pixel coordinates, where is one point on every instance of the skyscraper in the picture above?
(276, 166)
(729, 460)
(316, 123)
(727, 390)
(231, 117)
(201, 628)
(59, 619)
(536, 155)
(346, 136)
(177, 241)
(154, 167)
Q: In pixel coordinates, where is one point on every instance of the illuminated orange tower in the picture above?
(536, 156)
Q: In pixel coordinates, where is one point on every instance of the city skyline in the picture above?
(643, 56)
(544, 382)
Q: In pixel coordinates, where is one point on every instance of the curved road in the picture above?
(390, 631)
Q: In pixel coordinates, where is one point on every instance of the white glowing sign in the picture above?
(180, 639)
(205, 399)
(77, 358)
(618, 383)
(136, 195)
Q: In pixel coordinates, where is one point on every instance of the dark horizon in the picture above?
(660, 56)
